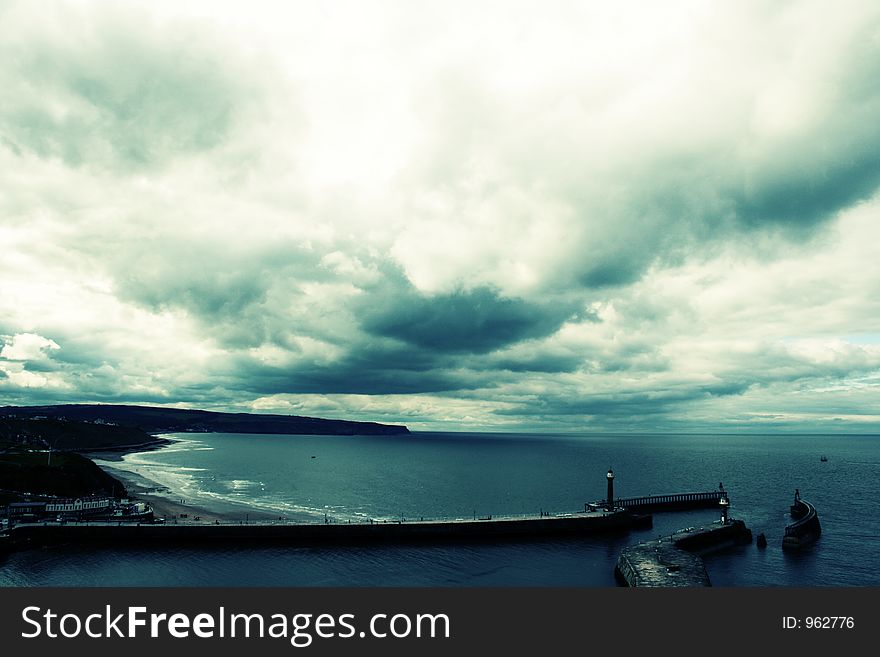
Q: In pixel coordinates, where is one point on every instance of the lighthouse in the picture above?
(724, 503)
(609, 498)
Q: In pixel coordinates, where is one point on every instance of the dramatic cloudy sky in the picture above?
(571, 216)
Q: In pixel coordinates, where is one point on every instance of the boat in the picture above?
(823, 458)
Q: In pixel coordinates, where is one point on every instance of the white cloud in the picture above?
(27, 346)
(18, 352)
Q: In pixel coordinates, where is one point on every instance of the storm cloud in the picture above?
(577, 217)
(477, 320)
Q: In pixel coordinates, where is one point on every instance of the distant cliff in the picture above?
(152, 419)
(70, 435)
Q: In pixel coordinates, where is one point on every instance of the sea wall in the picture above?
(719, 537)
(660, 563)
(674, 561)
(805, 530)
(436, 530)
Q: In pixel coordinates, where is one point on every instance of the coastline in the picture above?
(116, 453)
(168, 507)
(170, 504)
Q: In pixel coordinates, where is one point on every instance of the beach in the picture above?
(175, 509)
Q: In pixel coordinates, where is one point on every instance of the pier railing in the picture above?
(675, 500)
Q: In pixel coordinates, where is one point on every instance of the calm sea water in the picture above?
(462, 474)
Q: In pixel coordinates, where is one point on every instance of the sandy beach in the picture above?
(176, 510)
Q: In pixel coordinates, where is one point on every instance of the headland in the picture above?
(155, 419)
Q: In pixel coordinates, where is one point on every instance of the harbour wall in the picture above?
(716, 538)
(675, 560)
(400, 531)
(660, 564)
(805, 530)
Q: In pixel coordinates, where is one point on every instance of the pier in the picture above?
(675, 560)
(656, 503)
(672, 502)
(660, 563)
(544, 525)
(805, 529)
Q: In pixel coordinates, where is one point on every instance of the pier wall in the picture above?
(675, 560)
(660, 564)
(109, 533)
(805, 529)
(733, 533)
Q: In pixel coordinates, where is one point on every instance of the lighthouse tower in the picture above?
(609, 498)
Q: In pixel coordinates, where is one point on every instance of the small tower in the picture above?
(609, 498)
(725, 505)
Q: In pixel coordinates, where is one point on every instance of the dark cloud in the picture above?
(465, 321)
(41, 366)
(346, 379)
(803, 194)
(803, 202)
(618, 272)
(537, 362)
(371, 372)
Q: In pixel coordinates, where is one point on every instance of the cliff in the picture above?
(152, 419)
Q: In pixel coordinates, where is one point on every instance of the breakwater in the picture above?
(24, 535)
(675, 560)
(805, 529)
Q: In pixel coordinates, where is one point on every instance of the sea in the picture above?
(463, 475)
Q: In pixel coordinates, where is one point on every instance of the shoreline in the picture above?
(170, 509)
(170, 504)
(116, 453)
